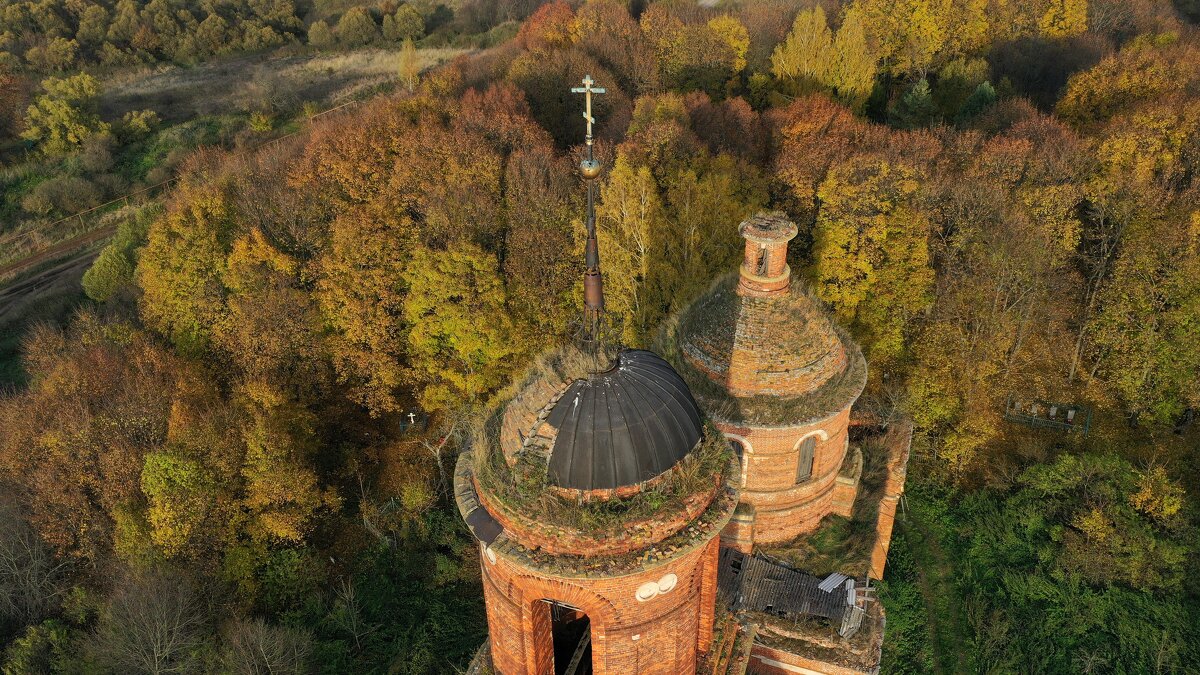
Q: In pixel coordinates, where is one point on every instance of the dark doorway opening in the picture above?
(572, 640)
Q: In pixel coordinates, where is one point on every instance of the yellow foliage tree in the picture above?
(870, 249)
(460, 335)
(1064, 18)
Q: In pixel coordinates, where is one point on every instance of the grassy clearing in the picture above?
(256, 81)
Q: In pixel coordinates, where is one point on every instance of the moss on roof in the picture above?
(841, 544)
(829, 398)
(523, 486)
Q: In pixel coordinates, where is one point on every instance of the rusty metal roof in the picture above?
(622, 426)
(758, 584)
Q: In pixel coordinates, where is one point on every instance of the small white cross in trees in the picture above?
(587, 90)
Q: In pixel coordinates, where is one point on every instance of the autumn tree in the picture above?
(548, 28)
(605, 30)
(908, 34)
(1064, 18)
(852, 72)
(460, 337)
(179, 270)
(282, 490)
(1146, 326)
(63, 117)
(74, 444)
(1146, 69)
(410, 65)
(696, 56)
(870, 250)
(806, 56)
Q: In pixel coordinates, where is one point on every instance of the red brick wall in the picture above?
(898, 442)
(767, 661)
(661, 635)
(771, 456)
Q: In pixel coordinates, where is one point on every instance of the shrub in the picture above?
(67, 194)
(96, 156)
(261, 122)
(138, 124)
(111, 272)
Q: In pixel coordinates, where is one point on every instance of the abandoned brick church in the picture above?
(712, 506)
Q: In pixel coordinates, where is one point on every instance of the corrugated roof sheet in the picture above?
(757, 583)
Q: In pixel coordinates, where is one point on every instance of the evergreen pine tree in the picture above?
(979, 100)
(914, 109)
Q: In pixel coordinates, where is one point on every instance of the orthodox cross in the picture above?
(593, 284)
(587, 90)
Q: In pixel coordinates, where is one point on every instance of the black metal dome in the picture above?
(622, 426)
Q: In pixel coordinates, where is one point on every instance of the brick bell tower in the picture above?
(597, 493)
(779, 379)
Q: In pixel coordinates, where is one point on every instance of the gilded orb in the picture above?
(590, 168)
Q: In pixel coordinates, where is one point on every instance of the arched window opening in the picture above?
(804, 467)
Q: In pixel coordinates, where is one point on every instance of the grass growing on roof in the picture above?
(524, 487)
(842, 544)
(716, 400)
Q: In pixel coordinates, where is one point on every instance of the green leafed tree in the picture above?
(460, 339)
(111, 272)
(320, 35)
(406, 23)
(180, 492)
(915, 108)
(64, 116)
(356, 28)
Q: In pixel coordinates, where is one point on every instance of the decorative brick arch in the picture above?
(820, 433)
(597, 608)
(537, 626)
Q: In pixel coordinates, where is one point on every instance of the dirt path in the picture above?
(21, 293)
(55, 251)
(947, 637)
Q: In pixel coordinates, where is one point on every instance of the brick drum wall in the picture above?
(661, 635)
(784, 510)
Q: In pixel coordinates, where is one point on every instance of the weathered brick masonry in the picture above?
(772, 372)
(784, 374)
(661, 634)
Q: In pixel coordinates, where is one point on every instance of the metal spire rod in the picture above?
(593, 284)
